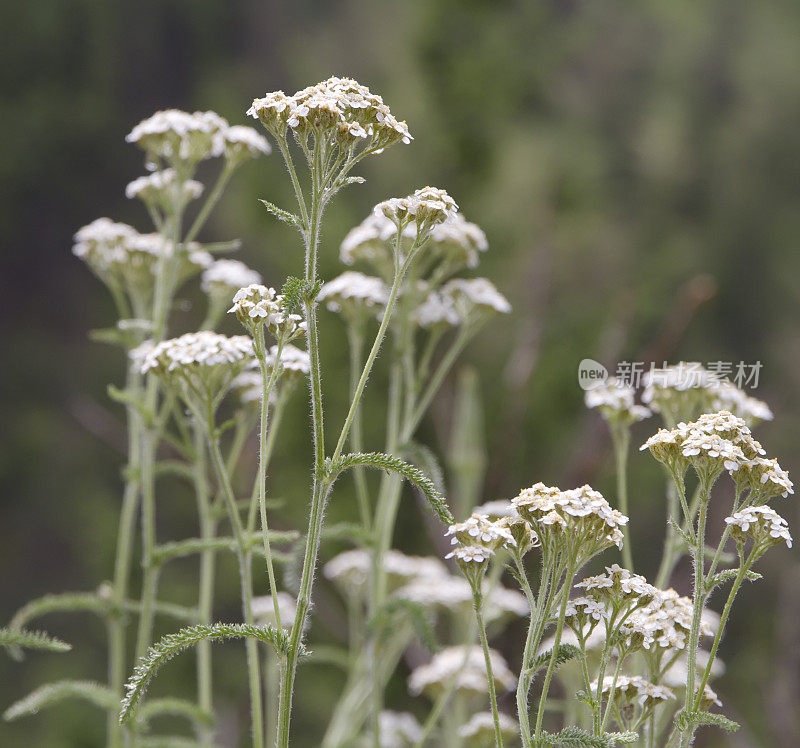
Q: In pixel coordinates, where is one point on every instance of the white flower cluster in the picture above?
(453, 593)
(351, 569)
(479, 530)
(437, 310)
(257, 305)
(479, 730)
(354, 294)
(619, 585)
(583, 610)
(398, 730)
(767, 478)
(339, 108)
(580, 518)
(461, 667)
(686, 389)
(295, 364)
(121, 256)
(427, 208)
(225, 277)
(459, 241)
(193, 351)
(665, 622)
(714, 441)
(162, 189)
(761, 523)
(184, 137)
(458, 301)
(633, 689)
(616, 401)
(264, 610)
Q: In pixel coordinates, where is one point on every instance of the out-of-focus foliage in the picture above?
(635, 166)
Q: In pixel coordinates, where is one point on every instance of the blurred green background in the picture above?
(636, 167)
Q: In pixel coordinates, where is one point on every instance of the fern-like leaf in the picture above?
(387, 462)
(566, 652)
(55, 693)
(725, 576)
(173, 644)
(24, 639)
(281, 214)
(577, 736)
(686, 720)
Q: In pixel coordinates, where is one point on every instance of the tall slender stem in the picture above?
(124, 556)
(246, 582)
(556, 644)
(621, 436)
(477, 603)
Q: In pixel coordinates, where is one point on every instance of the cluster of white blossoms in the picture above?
(665, 622)
(458, 301)
(427, 208)
(456, 242)
(340, 109)
(178, 137)
(760, 523)
(294, 365)
(715, 441)
(163, 190)
(264, 610)
(436, 310)
(224, 277)
(448, 592)
(633, 689)
(582, 613)
(766, 478)
(685, 390)
(194, 351)
(481, 531)
(354, 294)
(616, 401)
(618, 586)
(463, 668)
(351, 570)
(398, 730)
(121, 256)
(480, 729)
(579, 520)
(256, 305)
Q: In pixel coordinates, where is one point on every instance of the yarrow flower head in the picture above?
(163, 190)
(630, 690)
(398, 730)
(471, 297)
(665, 622)
(480, 530)
(579, 521)
(350, 570)
(355, 295)
(473, 561)
(340, 110)
(180, 138)
(242, 143)
(711, 444)
(480, 730)
(619, 588)
(463, 668)
(616, 402)
(762, 524)
(223, 278)
(201, 364)
(295, 364)
(582, 614)
(685, 390)
(426, 208)
(258, 306)
(764, 478)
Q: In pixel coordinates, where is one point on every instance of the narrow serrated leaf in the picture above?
(55, 693)
(281, 214)
(566, 652)
(10, 638)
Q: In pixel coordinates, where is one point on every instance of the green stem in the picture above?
(610, 703)
(124, 557)
(206, 583)
(355, 338)
(246, 582)
(621, 437)
(211, 201)
(267, 383)
(477, 604)
(556, 644)
(532, 641)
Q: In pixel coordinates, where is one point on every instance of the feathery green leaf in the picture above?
(54, 693)
(31, 640)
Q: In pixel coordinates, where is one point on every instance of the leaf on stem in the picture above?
(566, 652)
(173, 644)
(686, 720)
(387, 462)
(281, 214)
(571, 736)
(725, 576)
(12, 638)
(54, 693)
